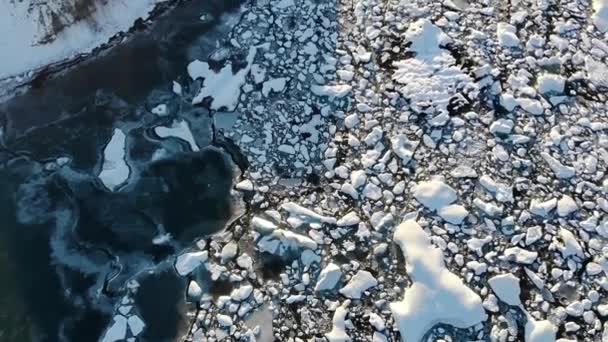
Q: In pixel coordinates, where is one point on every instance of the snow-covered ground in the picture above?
(28, 41)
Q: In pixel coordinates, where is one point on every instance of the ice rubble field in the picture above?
(425, 170)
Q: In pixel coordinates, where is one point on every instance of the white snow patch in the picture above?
(115, 171)
(223, 87)
(452, 301)
(179, 129)
(430, 79)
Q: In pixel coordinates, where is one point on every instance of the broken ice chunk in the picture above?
(507, 35)
(542, 209)
(403, 147)
(328, 278)
(262, 225)
(306, 214)
(453, 214)
(520, 255)
(571, 247)
(136, 325)
(350, 219)
(434, 194)
(502, 126)
(560, 170)
(281, 241)
(539, 331)
(531, 106)
(358, 284)
(549, 84)
(337, 90)
(506, 287)
(188, 262)
(566, 206)
(463, 171)
(194, 290)
(117, 331)
(276, 85)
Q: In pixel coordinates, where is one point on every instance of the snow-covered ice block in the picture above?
(338, 331)
(188, 262)
(506, 287)
(453, 214)
(452, 301)
(328, 278)
(359, 283)
(434, 194)
(507, 35)
(337, 90)
(551, 84)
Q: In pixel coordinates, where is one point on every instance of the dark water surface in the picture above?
(67, 245)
